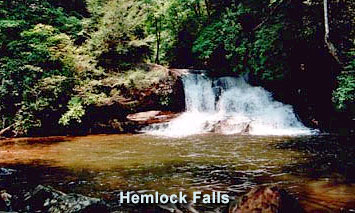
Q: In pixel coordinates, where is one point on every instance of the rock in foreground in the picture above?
(46, 199)
(267, 200)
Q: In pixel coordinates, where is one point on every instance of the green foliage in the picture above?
(267, 54)
(344, 94)
(9, 29)
(25, 120)
(56, 64)
(209, 40)
(37, 63)
(117, 88)
(262, 54)
(34, 12)
(176, 23)
(225, 33)
(118, 42)
(140, 79)
(74, 114)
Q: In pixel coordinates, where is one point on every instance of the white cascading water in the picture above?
(229, 105)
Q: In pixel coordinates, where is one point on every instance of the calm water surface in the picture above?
(319, 170)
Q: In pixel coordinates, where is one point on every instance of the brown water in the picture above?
(319, 170)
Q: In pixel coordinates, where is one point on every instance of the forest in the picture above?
(74, 66)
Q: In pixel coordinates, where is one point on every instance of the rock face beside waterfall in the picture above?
(117, 111)
(152, 117)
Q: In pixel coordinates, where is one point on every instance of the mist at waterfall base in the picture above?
(229, 105)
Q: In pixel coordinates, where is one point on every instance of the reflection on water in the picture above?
(103, 165)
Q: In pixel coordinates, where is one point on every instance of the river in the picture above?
(317, 169)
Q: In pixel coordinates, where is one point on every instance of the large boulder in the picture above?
(47, 199)
(230, 126)
(267, 200)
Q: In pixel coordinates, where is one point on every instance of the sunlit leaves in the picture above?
(120, 25)
(344, 94)
(74, 113)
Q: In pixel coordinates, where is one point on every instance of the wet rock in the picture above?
(267, 200)
(169, 208)
(143, 116)
(47, 199)
(6, 177)
(6, 172)
(5, 201)
(179, 72)
(189, 207)
(230, 125)
(151, 117)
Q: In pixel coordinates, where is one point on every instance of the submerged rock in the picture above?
(47, 199)
(267, 200)
(230, 126)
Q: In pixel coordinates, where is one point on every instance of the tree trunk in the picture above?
(157, 34)
(194, 8)
(208, 9)
(198, 8)
(271, 14)
(331, 48)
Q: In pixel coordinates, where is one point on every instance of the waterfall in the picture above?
(229, 105)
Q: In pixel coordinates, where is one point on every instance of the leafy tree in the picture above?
(119, 40)
(36, 72)
(58, 61)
